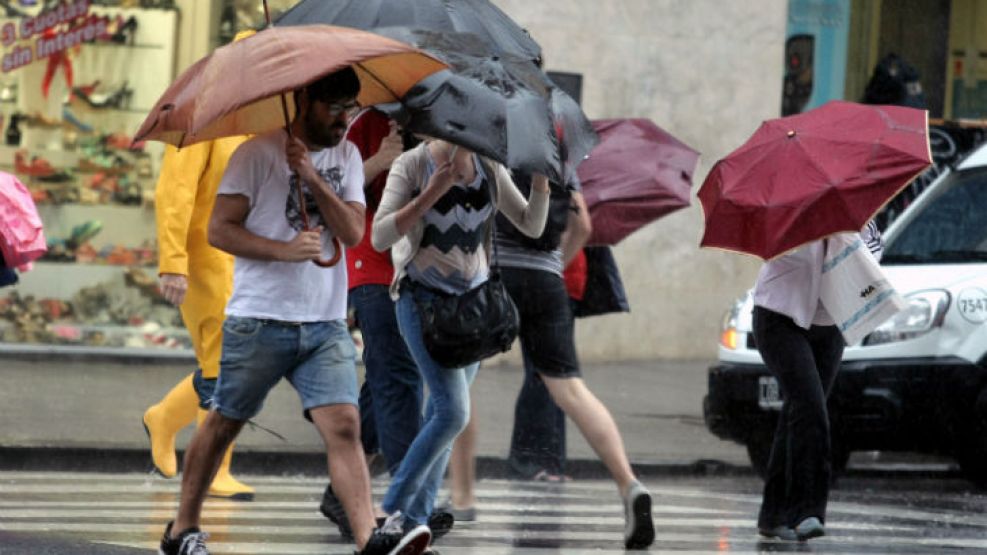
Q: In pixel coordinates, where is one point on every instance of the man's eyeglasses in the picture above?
(338, 108)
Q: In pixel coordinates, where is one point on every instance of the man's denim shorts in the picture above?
(317, 358)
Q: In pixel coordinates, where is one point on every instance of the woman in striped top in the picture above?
(435, 215)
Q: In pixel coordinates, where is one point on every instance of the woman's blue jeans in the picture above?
(416, 483)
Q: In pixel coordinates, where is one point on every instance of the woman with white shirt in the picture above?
(435, 215)
(802, 347)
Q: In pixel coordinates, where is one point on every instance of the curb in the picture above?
(129, 460)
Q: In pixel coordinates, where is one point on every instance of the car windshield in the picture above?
(951, 227)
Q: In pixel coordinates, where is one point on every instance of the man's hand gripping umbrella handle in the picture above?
(337, 248)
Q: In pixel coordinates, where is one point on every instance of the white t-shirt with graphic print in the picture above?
(288, 291)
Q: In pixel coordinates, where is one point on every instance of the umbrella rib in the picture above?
(377, 79)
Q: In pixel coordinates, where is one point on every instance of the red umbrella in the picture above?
(810, 175)
(635, 175)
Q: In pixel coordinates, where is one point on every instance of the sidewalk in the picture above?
(67, 414)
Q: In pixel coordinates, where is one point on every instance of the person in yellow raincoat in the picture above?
(199, 279)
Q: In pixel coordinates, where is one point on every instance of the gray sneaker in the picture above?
(809, 528)
(778, 533)
(460, 515)
(639, 529)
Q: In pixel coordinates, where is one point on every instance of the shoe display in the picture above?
(125, 32)
(189, 542)
(639, 528)
(809, 528)
(12, 137)
(38, 168)
(84, 232)
(119, 98)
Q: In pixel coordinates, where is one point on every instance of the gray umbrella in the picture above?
(503, 106)
(494, 28)
(495, 101)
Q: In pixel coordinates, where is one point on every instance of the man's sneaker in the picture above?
(440, 522)
(332, 508)
(391, 539)
(639, 529)
(189, 542)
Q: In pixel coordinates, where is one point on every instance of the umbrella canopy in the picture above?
(637, 174)
(804, 177)
(501, 106)
(237, 89)
(478, 17)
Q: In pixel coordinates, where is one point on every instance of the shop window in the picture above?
(71, 94)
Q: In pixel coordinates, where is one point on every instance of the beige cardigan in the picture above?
(408, 173)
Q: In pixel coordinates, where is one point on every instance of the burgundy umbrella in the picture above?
(804, 177)
(635, 175)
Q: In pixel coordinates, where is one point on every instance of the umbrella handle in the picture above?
(337, 248)
(335, 257)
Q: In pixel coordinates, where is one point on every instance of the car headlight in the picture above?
(926, 311)
(728, 328)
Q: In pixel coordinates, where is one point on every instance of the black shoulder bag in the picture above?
(459, 330)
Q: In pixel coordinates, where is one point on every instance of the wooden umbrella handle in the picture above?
(337, 255)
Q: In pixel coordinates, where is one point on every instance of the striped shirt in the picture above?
(451, 255)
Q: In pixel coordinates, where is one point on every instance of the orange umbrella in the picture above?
(237, 89)
(240, 88)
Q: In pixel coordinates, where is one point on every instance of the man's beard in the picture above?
(321, 135)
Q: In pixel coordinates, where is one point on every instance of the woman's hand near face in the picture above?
(442, 179)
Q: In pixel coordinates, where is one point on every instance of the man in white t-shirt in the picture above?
(287, 316)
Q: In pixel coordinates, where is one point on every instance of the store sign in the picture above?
(53, 31)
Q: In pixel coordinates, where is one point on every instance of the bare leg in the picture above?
(339, 426)
(202, 459)
(462, 467)
(595, 423)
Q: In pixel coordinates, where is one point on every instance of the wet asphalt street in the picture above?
(122, 514)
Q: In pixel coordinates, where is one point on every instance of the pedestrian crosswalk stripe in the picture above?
(582, 517)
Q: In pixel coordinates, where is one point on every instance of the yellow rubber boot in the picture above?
(224, 484)
(163, 421)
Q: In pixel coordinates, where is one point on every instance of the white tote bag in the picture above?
(854, 290)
